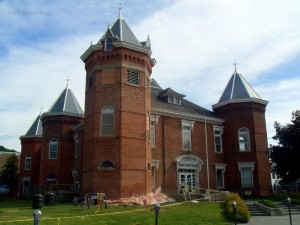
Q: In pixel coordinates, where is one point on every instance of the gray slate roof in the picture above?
(238, 89)
(36, 129)
(123, 32)
(170, 91)
(187, 107)
(66, 103)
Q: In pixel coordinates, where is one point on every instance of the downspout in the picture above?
(207, 166)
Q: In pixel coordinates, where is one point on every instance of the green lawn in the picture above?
(20, 213)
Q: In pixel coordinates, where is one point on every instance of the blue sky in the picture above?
(195, 43)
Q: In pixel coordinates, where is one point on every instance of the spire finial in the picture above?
(120, 10)
(235, 66)
(67, 82)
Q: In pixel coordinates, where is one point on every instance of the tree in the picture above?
(9, 173)
(286, 154)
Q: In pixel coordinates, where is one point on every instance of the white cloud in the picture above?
(195, 43)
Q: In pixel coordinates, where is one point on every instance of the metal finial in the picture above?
(68, 81)
(235, 66)
(120, 10)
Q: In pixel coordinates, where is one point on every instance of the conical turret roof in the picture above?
(66, 103)
(238, 90)
(36, 129)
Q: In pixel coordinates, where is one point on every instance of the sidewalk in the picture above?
(273, 220)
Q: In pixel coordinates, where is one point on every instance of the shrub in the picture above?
(268, 203)
(242, 214)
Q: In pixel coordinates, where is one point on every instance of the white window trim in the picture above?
(189, 124)
(249, 139)
(50, 149)
(221, 166)
(247, 165)
(30, 166)
(221, 129)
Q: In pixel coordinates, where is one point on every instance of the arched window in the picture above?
(244, 139)
(27, 165)
(107, 164)
(107, 121)
(53, 149)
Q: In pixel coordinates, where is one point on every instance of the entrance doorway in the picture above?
(187, 180)
(188, 168)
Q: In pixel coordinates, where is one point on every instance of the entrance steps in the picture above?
(254, 210)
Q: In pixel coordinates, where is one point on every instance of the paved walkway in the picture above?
(273, 220)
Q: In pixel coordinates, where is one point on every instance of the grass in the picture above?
(20, 213)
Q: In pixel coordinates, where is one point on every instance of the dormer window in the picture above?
(170, 99)
(108, 45)
(174, 100)
(171, 96)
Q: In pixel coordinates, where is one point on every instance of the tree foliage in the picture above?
(9, 173)
(286, 155)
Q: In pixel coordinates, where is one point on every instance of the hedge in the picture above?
(242, 214)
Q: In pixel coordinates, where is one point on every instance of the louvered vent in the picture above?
(133, 77)
(107, 120)
(107, 124)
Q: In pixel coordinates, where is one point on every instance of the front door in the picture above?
(187, 180)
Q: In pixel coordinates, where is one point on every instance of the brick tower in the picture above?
(245, 137)
(117, 156)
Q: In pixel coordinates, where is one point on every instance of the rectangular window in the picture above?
(170, 99)
(220, 178)
(107, 124)
(218, 140)
(244, 139)
(246, 177)
(53, 149)
(153, 134)
(187, 140)
(27, 165)
(133, 77)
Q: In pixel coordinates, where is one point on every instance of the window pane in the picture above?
(27, 165)
(107, 121)
(53, 150)
(152, 135)
(244, 140)
(246, 177)
(187, 143)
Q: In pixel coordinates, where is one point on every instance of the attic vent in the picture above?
(133, 77)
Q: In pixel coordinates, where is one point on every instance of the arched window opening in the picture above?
(53, 149)
(107, 121)
(244, 139)
(107, 164)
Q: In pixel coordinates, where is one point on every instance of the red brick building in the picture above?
(134, 136)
